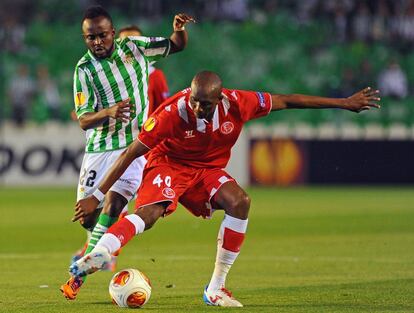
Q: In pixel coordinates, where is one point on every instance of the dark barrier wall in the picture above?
(380, 162)
(288, 162)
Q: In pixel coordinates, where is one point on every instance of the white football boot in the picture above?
(220, 297)
(94, 261)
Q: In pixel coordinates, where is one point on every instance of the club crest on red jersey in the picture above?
(168, 192)
(226, 128)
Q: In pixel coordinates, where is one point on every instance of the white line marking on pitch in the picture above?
(16, 256)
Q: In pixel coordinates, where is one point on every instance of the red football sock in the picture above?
(232, 240)
(124, 230)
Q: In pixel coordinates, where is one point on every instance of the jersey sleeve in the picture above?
(84, 96)
(156, 128)
(160, 88)
(153, 48)
(253, 104)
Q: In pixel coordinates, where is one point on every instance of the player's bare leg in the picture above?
(116, 237)
(113, 205)
(236, 204)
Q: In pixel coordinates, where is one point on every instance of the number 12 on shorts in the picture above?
(158, 181)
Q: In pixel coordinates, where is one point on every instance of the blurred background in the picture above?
(319, 47)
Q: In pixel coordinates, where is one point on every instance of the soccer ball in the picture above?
(130, 288)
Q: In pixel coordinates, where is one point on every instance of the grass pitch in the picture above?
(306, 250)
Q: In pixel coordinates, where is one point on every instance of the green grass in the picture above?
(307, 250)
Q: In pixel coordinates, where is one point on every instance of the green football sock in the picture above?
(104, 222)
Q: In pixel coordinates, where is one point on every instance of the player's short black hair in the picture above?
(130, 28)
(96, 11)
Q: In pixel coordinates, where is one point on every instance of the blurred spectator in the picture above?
(381, 22)
(341, 22)
(12, 35)
(393, 81)
(148, 9)
(232, 10)
(306, 10)
(48, 92)
(332, 5)
(361, 23)
(20, 92)
(405, 23)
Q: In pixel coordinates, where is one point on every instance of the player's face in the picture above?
(204, 104)
(99, 34)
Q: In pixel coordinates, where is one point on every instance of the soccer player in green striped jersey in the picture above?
(111, 102)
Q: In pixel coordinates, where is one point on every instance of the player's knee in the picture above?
(244, 203)
(114, 204)
(112, 209)
(239, 206)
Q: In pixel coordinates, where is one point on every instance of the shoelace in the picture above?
(76, 283)
(227, 292)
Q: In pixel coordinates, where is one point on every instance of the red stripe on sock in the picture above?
(232, 240)
(124, 230)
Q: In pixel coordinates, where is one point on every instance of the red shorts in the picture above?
(194, 188)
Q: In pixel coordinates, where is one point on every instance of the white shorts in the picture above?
(94, 168)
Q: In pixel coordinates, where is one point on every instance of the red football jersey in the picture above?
(157, 89)
(174, 130)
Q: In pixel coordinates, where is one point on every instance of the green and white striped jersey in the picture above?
(101, 83)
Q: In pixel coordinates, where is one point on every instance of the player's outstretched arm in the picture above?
(365, 99)
(119, 111)
(88, 205)
(179, 37)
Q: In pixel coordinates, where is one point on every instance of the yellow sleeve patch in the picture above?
(149, 124)
(79, 99)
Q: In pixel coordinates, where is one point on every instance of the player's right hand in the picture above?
(85, 207)
(365, 99)
(120, 111)
(180, 20)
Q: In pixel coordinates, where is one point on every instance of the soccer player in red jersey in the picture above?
(189, 138)
(157, 88)
(157, 83)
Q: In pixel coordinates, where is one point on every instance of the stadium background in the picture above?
(352, 243)
(313, 47)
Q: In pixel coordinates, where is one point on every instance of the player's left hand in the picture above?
(180, 20)
(365, 99)
(85, 207)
